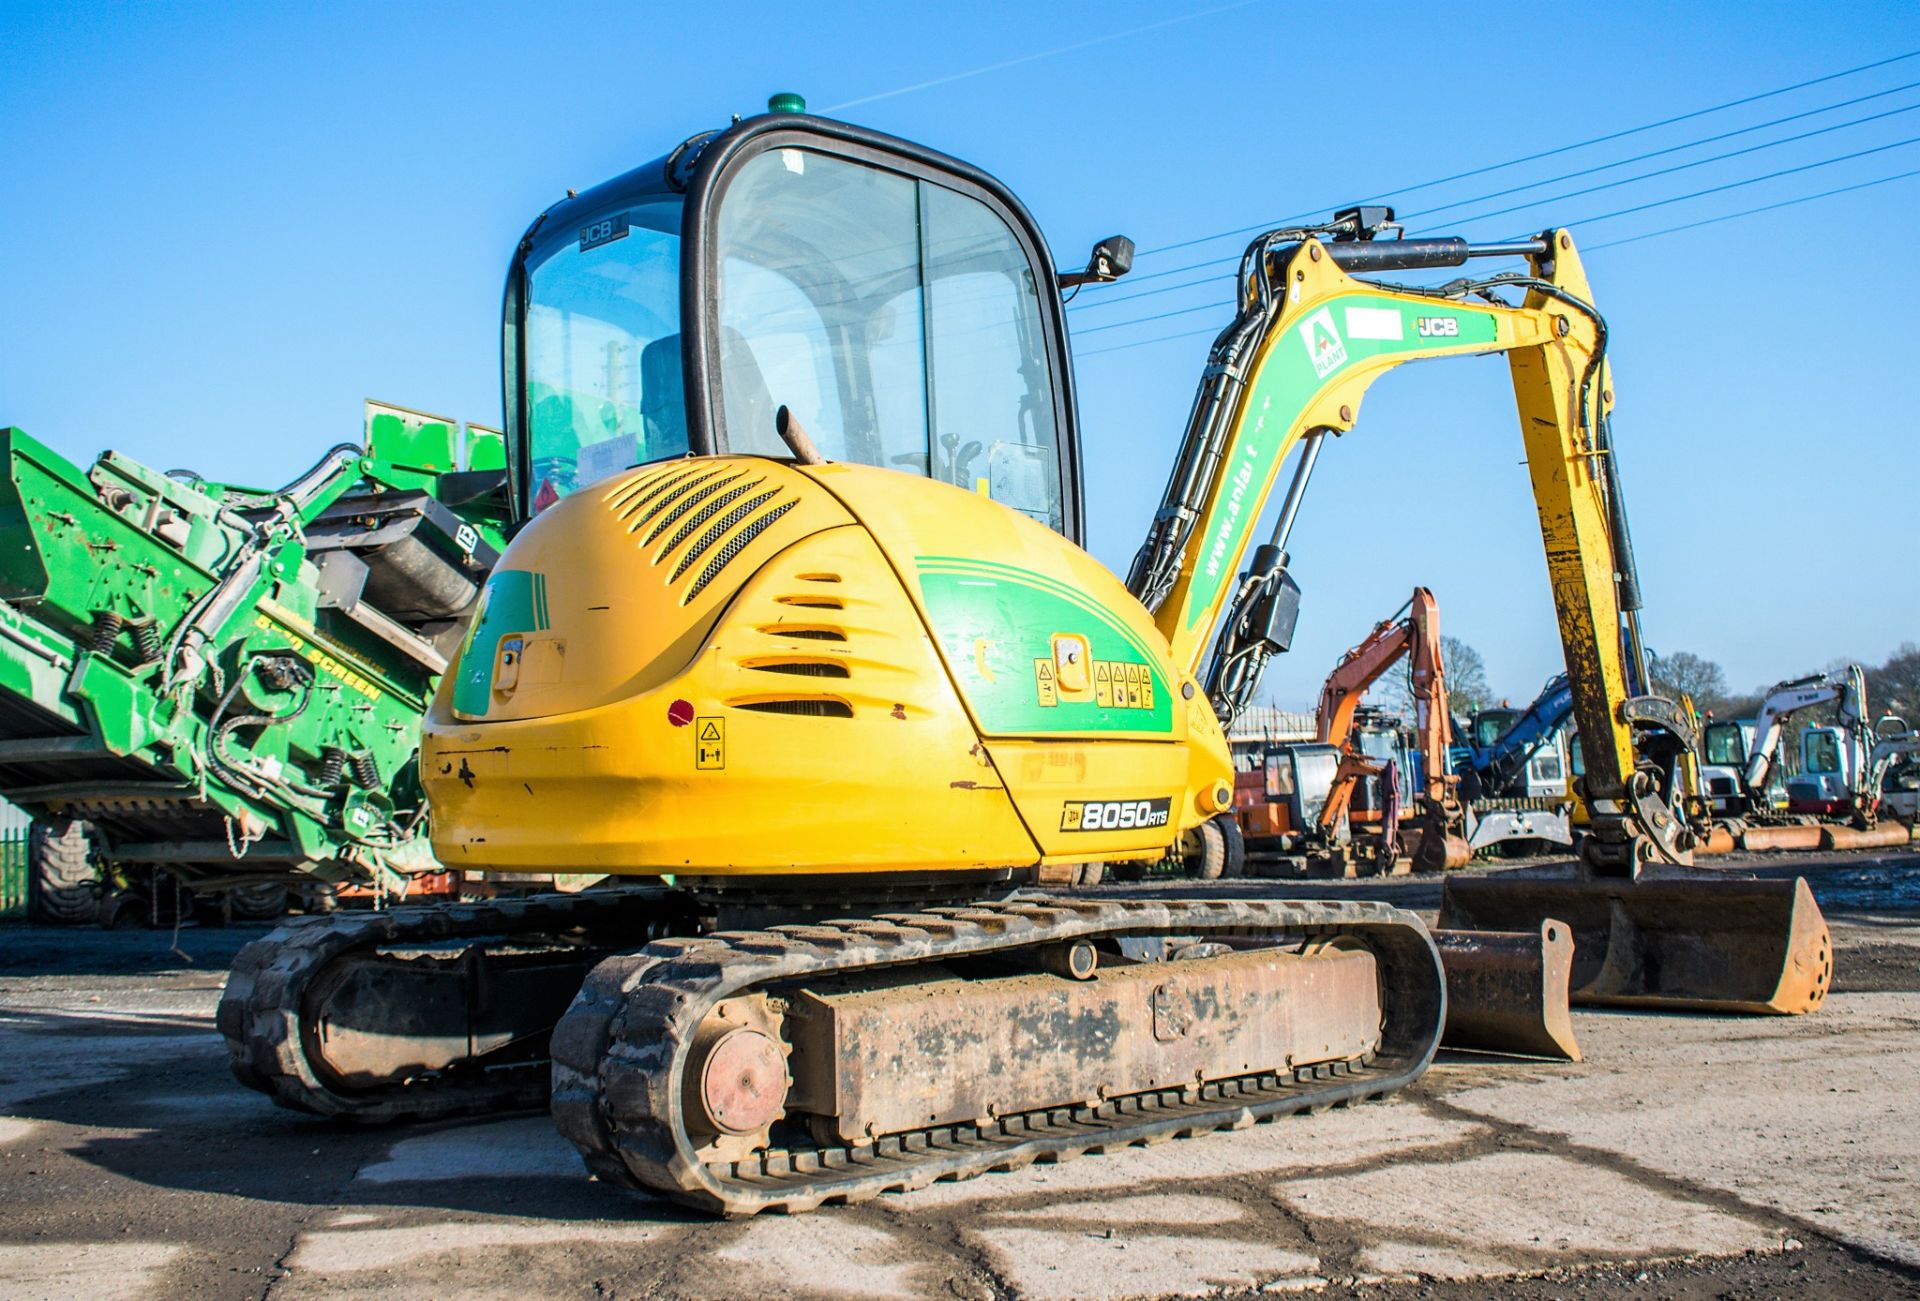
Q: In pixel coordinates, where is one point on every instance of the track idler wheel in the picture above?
(736, 1079)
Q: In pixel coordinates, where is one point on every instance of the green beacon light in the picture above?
(786, 102)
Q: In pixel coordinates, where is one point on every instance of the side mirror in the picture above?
(1112, 258)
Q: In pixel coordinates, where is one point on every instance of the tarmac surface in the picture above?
(1687, 1156)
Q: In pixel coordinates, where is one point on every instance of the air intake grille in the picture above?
(659, 495)
(734, 546)
(701, 516)
(803, 668)
(688, 501)
(804, 708)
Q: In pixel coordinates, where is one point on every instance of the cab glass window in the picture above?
(1280, 774)
(602, 351)
(1820, 752)
(1724, 747)
(899, 322)
(1491, 724)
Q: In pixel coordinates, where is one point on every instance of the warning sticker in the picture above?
(1045, 684)
(1119, 684)
(709, 742)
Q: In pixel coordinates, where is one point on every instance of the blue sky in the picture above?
(224, 226)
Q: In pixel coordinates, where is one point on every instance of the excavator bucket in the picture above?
(1699, 940)
(1507, 991)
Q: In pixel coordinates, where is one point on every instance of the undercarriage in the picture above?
(812, 1062)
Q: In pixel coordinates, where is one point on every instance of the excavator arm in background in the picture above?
(1415, 637)
(1308, 341)
(1502, 806)
(1497, 768)
(1789, 698)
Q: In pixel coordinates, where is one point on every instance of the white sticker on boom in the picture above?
(1374, 323)
(1323, 343)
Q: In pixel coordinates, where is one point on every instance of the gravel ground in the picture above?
(1688, 1157)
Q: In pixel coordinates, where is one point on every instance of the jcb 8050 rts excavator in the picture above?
(860, 670)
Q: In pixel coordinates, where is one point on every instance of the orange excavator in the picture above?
(1284, 802)
(1412, 632)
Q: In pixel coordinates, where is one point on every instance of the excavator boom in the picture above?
(1309, 340)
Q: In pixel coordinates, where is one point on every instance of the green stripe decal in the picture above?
(1318, 351)
(1006, 632)
(513, 601)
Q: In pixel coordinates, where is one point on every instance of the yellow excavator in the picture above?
(795, 639)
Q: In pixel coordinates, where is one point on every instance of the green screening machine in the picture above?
(213, 693)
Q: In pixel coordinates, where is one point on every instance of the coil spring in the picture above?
(332, 760)
(366, 773)
(146, 639)
(106, 630)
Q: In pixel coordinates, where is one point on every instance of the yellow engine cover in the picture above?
(735, 665)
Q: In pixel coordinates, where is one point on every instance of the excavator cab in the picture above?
(898, 303)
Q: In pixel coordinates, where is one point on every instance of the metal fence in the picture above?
(13, 873)
(13, 861)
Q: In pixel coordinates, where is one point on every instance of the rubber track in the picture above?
(619, 1052)
(261, 1005)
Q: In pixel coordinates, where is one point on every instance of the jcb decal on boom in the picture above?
(1114, 815)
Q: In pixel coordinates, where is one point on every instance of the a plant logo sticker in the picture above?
(1324, 347)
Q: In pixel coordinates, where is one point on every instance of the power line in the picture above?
(1678, 167)
(1579, 222)
(1141, 343)
(1592, 248)
(1157, 316)
(1692, 144)
(1751, 212)
(985, 68)
(1550, 153)
(1105, 301)
(1735, 185)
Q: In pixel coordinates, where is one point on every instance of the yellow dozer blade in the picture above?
(1696, 939)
